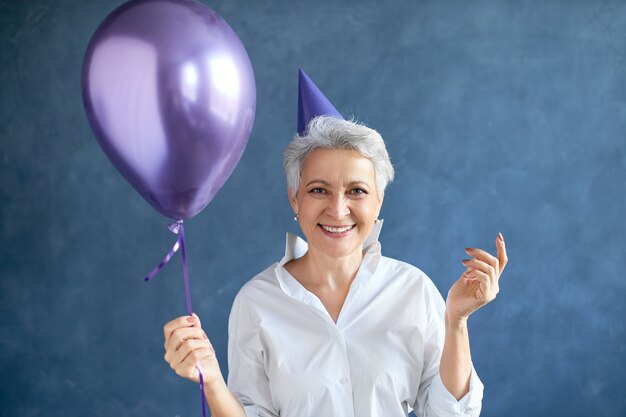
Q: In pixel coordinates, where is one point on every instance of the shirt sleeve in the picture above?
(442, 403)
(433, 399)
(247, 379)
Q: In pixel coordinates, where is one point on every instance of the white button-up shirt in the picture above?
(287, 357)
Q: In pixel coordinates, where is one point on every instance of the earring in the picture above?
(377, 221)
(295, 218)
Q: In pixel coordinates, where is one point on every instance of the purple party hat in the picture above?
(312, 103)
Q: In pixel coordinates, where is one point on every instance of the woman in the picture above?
(335, 328)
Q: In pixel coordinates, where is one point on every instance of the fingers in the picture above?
(180, 322)
(482, 266)
(488, 288)
(497, 264)
(195, 352)
(485, 270)
(484, 256)
(186, 345)
(501, 250)
(180, 336)
(192, 347)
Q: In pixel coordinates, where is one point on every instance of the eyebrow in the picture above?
(326, 183)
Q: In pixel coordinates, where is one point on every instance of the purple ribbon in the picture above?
(178, 228)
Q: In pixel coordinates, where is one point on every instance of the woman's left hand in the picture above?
(478, 285)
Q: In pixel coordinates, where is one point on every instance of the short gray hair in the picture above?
(332, 133)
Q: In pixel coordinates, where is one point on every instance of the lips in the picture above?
(337, 229)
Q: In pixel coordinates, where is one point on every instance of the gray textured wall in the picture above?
(500, 116)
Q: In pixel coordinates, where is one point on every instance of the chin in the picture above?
(342, 250)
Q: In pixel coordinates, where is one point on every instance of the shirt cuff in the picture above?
(444, 403)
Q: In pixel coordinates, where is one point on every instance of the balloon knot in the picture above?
(175, 227)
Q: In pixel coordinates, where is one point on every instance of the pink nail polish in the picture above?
(191, 319)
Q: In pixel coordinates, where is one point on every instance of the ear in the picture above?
(292, 200)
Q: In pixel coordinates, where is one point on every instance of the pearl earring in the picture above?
(295, 218)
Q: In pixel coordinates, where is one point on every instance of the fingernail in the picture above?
(464, 261)
(469, 250)
(191, 319)
(500, 237)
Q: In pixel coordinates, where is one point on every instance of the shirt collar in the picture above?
(296, 247)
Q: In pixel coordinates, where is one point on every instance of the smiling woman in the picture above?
(335, 328)
(337, 203)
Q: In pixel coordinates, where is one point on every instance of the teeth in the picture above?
(336, 229)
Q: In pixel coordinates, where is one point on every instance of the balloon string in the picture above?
(189, 308)
(178, 228)
(202, 399)
(185, 270)
(164, 261)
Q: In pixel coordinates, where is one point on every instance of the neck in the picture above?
(329, 273)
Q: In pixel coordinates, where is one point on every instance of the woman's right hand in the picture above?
(187, 346)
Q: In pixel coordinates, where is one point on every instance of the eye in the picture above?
(317, 190)
(358, 191)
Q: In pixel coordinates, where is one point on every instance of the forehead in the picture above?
(337, 164)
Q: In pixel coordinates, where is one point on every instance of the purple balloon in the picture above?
(170, 95)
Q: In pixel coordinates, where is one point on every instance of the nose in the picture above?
(338, 207)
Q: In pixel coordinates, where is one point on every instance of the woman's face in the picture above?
(337, 201)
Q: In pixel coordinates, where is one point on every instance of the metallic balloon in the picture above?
(170, 95)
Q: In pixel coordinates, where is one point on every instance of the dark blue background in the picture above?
(499, 116)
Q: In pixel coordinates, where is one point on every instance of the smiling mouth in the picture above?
(340, 229)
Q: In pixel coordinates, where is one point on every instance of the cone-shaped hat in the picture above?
(312, 103)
